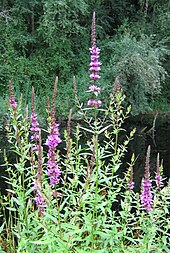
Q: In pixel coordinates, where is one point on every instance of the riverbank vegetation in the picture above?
(63, 193)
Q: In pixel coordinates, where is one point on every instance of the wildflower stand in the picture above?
(73, 200)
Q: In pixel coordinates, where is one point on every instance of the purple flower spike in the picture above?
(94, 51)
(146, 195)
(53, 139)
(94, 66)
(52, 142)
(12, 101)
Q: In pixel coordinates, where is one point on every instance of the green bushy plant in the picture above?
(132, 60)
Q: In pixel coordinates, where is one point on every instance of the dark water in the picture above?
(156, 134)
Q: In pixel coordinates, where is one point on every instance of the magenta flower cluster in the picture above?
(94, 103)
(146, 196)
(94, 88)
(52, 142)
(13, 103)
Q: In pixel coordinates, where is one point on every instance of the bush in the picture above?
(132, 60)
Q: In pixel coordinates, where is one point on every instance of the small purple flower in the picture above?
(94, 76)
(94, 88)
(94, 103)
(131, 185)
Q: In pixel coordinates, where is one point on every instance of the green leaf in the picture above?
(43, 242)
(11, 209)
(86, 129)
(166, 249)
(105, 128)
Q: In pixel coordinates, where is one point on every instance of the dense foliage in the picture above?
(42, 39)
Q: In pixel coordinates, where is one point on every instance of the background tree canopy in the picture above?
(40, 39)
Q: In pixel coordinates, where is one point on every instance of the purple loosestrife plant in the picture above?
(52, 142)
(36, 137)
(39, 196)
(146, 195)
(94, 67)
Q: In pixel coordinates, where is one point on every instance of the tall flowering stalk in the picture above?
(36, 137)
(94, 67)
(158, 176)
(52, 142)
(146, 195)
(34, 123)
(39, 196)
